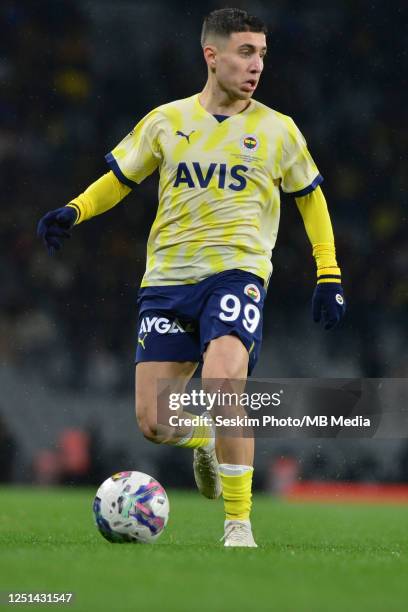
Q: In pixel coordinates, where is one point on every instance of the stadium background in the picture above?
(75, 77)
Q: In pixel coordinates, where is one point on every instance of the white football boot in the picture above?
(205, 466)
(238, 533)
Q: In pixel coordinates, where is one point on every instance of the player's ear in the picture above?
(210, 54)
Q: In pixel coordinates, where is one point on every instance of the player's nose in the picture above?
(256, 66)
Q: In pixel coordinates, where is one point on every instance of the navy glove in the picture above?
(53, 227)
(328, 304)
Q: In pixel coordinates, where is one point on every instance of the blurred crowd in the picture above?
(76, 76)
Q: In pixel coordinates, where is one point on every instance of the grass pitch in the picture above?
(310, 558)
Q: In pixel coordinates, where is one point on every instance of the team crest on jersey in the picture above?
(253, 292)
(249, 142)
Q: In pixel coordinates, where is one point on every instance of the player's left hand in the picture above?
(328, 304)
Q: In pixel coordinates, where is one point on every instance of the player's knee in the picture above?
(148, 427)
(232, 371)
(227, 369)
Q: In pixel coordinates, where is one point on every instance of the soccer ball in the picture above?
(131, 507)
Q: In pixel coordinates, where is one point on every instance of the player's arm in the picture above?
(134, 158)
(99, 197)
(316, 218)
(328, 299)
(301, 179)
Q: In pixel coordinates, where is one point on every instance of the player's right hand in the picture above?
(53, 227)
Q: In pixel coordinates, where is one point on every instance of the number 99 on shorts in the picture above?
(231, 309)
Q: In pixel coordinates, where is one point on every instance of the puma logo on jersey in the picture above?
(197, 177)
(142, 341)
(186, 136)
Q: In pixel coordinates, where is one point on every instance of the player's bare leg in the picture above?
(147, 377)
(148, 374)
(226, 359)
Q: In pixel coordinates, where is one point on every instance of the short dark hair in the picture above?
(224, 22)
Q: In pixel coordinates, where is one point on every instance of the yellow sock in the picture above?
(236, 491)
(201, 435)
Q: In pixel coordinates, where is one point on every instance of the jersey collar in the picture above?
(203, 111)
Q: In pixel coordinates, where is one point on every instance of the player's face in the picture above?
(239, 63)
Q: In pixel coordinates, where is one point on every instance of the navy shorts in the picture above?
(176, 322)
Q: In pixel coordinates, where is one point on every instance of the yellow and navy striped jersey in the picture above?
(219, 201)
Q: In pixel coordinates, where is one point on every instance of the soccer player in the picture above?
(222, 159)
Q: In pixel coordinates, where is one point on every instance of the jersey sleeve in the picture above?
(139, 153)
(300, 175)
